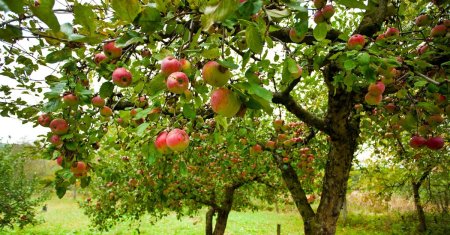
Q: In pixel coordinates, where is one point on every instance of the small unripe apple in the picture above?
(98, 101)
(295, 37)
(177, 82)
(56, 140)
(186, 66)
(122, 77)
(59, 126)
(170, 65)
(319, 3)
(435, 143)
(177, 140)
(161, 144)
(70, 99)
(111, 51)
(318, 17)
(44, 120)
(373, 99)
(225, 102)
(417, 141)
(328, 11)
(298, 73)
(100, 57)
(377, 88)
(423, 20)
(215, 74)
(356, 42)
(438, 31)
(390, 32)
(106, 111)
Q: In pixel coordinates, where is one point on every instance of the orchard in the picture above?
(190, 103)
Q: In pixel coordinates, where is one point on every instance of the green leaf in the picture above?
(130, 37)
(364, 58)
(126, 10)
(352, 3)
(254, 39)
(260, 91)
(183, 168)
(211, 53)
(228, 63)
(10, 33)
(142, 113)
(141, 128)
(189, 111)
(85, 181)
(150, 19)
(320, 31)
(275, 13)
(61, 191)
(349, 64)
(52, 106)
(58, 56)
(15, 6)
(84, 16)
(156, 85)
(218, 12)
(106, 89)
(44, 11)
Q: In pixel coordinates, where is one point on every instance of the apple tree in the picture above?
(181, 61)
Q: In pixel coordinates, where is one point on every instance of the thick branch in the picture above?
(283, 35)
(373, 18)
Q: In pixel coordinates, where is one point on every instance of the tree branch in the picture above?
(373, 18)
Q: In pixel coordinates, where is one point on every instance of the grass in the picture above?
(65, 217)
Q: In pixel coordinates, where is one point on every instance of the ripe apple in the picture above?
(177, 82)
(319, 3)
(170, 65)
(390, 107)
(70, 99)
(328, 11)
(270, 145)
(59, 126)
(111, 51)
(256, 149)
(435, 119)
(161, 143)
(106, 111)
(186, 65)
(59, 160)
(298, 73)
(422, 49)
(295, 37)
(438, 31)
(373, 99)
(356, 42)
(417, 141)
(215, 74)
(142, 102)
(177, 140)
(422, 20)
(225, 102)
(56, 140)
(392, 32)
(98, 101)
(122, 77)
(146, 53)
(377, 88)
(380, 37)
(278, 124)
(435, 143)
(100, 57)
(44, 120)
(318, 17)
(79, 168)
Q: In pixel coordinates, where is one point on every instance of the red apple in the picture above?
(44, 120)
(111, 51)
(177, 82)
(319, 3)
(295, 37)
(79, 168)
(390, 32)
(122, 77)
(70, 99)
(356, 42)
(106, 111)
(256, 149)
(161, 143)
(328, 11)
(59, 126)
(390, 107)
(270, 145)
(417, 141)
(177, 140)
(377, 88)
(59, 160)
(435, 119)
(170, 65)
(373, 99)
(438, 31)
(98, 101)
(100, 57)
(215, 74)
(56, 140)
(435, 143)
(318, 17)
(278, 124)
(422, 49)
(186, 65)
(422, 20)
(225, 102)
(380, 37)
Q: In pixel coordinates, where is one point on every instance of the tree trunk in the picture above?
(221, 222)
(419, 208)
(209, 221)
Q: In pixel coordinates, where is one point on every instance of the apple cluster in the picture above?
(433, 143)
(175, 71)
(324, 12)
(177, 140)
(375, 93)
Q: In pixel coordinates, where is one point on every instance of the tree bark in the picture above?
(209, 221)
(419, 208)
(221, 222)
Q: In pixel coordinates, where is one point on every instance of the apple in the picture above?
(70, 99)
(390, 32)
(423, 20)
(186, 65)
(328, 11)
(225, 102)
(318, 17)
(438, 31)
(44, 120)
(161, 143)
(106, 111)
(215, 74)
(390, 107)
(56, 140)
(177, 82)
(295, 37)
(146, 53)
(256, 149)
(435, 119)
(319, 3)
(270, 145)
(98, 101)
(59, 126)
(59, 160)
(373, 99)
(380, 37)
(79, 168)
(435, 143)
(100, 57)
(417, 141)
(278, 124)
(170, 65)
(122, 77)
(422, 49)
(356, 42)
(111, 51)
(142, 102)
(132, 182)
(377, 88)
(177, 140)
(298, 73)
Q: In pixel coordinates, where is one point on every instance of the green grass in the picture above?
(65, 217)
